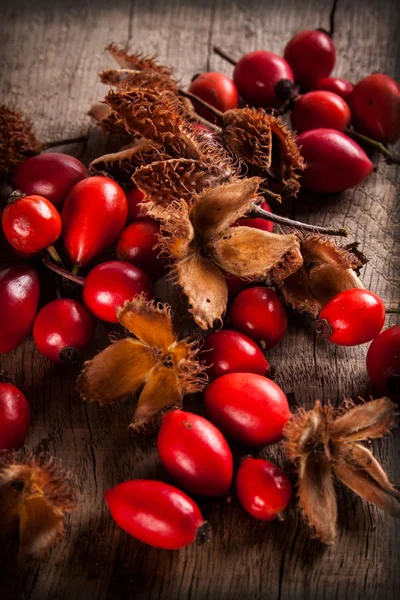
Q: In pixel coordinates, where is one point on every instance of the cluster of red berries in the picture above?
(322, 114)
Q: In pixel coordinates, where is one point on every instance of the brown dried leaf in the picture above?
(17, 140)
(357, 468)
(369, 420)
(205, 287)
(149, 321)
(117, 372)
(136, 61)
(252, 253)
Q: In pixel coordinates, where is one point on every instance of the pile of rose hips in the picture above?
(322, 114)
(93, 214)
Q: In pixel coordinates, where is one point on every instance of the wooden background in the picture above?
(50, 53)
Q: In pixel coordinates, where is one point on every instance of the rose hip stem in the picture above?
(60, 271)
(54, 255)
(225, 56)
(390, 159)
(54, 143)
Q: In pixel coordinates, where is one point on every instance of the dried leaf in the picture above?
(148, 321)
(369, 420)
(136, 61)
(117, 372)
(247, 252)
(17, 140)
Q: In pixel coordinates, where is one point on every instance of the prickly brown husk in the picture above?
(324, 442)
(136, 62)
(17, 140)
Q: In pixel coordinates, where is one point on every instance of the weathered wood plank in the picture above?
(51, 52)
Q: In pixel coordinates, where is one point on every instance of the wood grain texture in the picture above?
(51, 52)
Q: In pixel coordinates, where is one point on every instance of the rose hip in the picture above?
(262, 489)
(258, 313)
(156, 513)
(320, 109)
(137, 245)
(338, 86)
(195, 453)
(52, 175)
(134, 198)
(62, 329)
(14, 417)
(217, 90)
(352, 317)
(383, 362)
(228, 351)
(311, 55)
(248, 408)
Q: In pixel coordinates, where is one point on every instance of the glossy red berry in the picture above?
(256, 75)
(338, 86)
(311, 55)
(262, 489)
(134, 198)
(320, 109)
(375, 108)
(156, 513)
(110, 284)
(383, 362)
(248, 408)
(352, 317)
(334, 161)
(31, 223)
(138, 246)
(195, 454)
(62, 329)
(257, 222)
(217, 90)
(228, 351)
(93, 217)
(258, 313)
(235, 284)
(14, 417)
(19, 297)
(52, 175)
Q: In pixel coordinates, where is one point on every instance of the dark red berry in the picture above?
(248, 408)
(311, 55)
(338, 86)
(217, 90)
(156, 513)
(320, 109)
(14, 417)
(110, 284)
(195, 453)
(62, 329)
(134, 198)
(257, 222)
(52, 175)
(235, 284)
(256, 75)
(228, 351)
(258, 313)
(138, 246)
(383, 362)
(334, 161)
(352, 317)
(263, 490)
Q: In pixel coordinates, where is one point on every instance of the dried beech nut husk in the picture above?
(327, 270)
(154, 365)
(36, 493)
(17, 140)
(323, 443)
(136, 62)
(128, 79)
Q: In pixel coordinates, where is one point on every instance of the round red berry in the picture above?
(320, 109)
(311, 55)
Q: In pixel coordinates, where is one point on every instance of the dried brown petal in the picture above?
(252, 253)
(357, 468)
(36, 493)
(125, 79)
(205, 287)
(369, 420)
(117, 372)
(149, 321)
(17, 140)
(136, 61)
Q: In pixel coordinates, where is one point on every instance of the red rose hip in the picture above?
(352, 317)
(52, 175)
(156, 513)
(14, 417)
(217, 90)
(138, 246)
(311, 55)
(338, 86)
(320, 109)
(62, 329)
(247, 408)
(262, 489)
(134, 198)
(195, 453)
(110, 284)
(228, 351)
(258, 313)
(383, 362)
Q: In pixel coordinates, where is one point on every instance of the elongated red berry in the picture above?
(383, 362)
(14, 417)
(156, 513)
(195, 453)
(263, 490)
(334, 161)
(311, 55)
(352, 317)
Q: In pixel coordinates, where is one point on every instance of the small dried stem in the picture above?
(202, 103)
(63, 272)
(373, 143)
(259, 212)
(224, 55)
(54, 143)
(54, 255)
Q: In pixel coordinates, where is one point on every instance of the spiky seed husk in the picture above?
(128, 79)
(137, 61)
(17, 140)
(124, 163)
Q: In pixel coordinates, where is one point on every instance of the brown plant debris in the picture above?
(17, 140)
(323, 443)
(36, 492)
(155, 361)
(136, 62)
